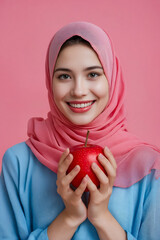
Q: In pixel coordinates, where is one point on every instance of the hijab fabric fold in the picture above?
(48, 138)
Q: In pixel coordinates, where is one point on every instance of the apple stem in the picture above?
(86, 139)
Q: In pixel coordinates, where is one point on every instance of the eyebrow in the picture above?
(86, 69)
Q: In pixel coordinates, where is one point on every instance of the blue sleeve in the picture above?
(149, 227)
(130, 237)
(13, 224)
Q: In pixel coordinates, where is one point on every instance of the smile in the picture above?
(80, 107)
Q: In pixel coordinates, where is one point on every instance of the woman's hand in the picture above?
(75, 210)
(99, 198)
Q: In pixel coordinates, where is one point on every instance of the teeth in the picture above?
(82, 105)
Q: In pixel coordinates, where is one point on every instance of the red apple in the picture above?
(84, 156)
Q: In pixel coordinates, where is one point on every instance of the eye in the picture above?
(93, 75)
(64, 76)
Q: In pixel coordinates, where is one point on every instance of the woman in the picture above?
(86, 92)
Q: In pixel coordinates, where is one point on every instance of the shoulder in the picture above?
(19, 148)
(17, 151)
(149, 185)
(17, 156)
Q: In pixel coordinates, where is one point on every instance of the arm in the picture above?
(149, 228)
(107, 226)
(13, 223)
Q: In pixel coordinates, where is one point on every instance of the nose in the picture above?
(79, 88)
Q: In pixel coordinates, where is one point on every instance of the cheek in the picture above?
(59, 91)
(101, 89)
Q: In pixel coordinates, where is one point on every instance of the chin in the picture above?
(81, 122)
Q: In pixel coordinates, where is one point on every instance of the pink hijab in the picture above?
(48, 138)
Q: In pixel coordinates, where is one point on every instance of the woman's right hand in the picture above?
(75, 210)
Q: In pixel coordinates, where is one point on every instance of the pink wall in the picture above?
(26, 28)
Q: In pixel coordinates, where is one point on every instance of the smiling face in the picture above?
(80, 87)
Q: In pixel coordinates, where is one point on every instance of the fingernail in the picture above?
(77, 167)
(101, 156)
(106, 148)
(67, 150)
(69, 157)
(94, 165)
(86, 177)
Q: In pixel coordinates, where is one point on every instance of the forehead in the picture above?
(77, 55)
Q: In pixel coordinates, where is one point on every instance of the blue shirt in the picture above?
(29, 202)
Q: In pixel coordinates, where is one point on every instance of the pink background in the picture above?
(25, 31)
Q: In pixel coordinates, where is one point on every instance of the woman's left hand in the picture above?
(99, 197)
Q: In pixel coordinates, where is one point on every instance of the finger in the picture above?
(110, 157)
(64, 155)
(91, 187)
(70, 176)
(64, 182)
(80, 190)
(110, 170)
(102, 177)
(64, 166)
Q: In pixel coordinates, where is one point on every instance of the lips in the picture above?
(79, 107)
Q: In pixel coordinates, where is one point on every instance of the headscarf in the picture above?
(49, 137)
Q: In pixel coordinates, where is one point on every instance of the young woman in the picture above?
(86, 92)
